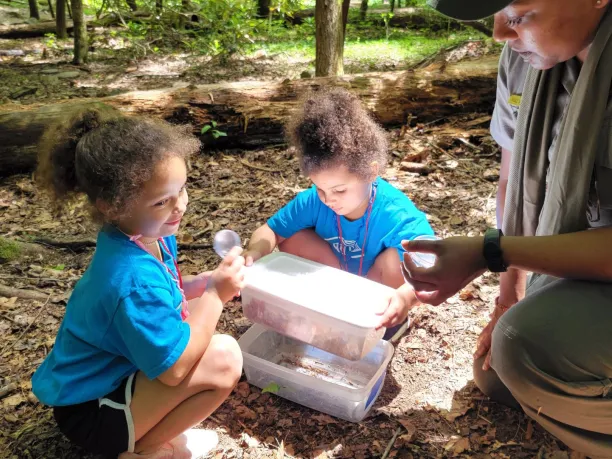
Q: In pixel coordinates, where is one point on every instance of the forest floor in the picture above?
(428, 398)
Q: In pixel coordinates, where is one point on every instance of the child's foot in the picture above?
(197, 442)
(165, 452)
(191, 444)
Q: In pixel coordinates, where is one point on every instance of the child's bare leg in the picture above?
(162, 412)
(387, 269)
(308, 244)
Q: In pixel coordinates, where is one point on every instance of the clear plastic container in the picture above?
(314, 378)
(424, 260)
(326, 307)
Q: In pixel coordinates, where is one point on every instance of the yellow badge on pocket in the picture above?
(515, 99)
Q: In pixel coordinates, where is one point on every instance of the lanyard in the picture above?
(176, 277)
(365, 236)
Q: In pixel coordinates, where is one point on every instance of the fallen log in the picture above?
(39, 29)
(408, 18)
(253, 114)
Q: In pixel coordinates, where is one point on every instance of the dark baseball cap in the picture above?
(468, 10)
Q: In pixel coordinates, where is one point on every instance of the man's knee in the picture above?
(490, 384)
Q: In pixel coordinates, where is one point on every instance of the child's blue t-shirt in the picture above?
(124, 315)
(394, 218)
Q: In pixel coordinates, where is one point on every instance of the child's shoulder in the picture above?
(390, 194)
(122, 262)
(393, 203)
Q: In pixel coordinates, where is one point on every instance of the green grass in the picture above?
(368, 46)
(9, 250)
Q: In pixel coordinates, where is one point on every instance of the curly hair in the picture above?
(107, 156)
(333, 128)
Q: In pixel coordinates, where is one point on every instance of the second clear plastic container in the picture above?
(326, 307)
(312, 377)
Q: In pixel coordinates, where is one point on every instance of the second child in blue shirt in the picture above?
(350, 218)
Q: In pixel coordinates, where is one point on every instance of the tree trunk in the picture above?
(34, 9)
(346, 4)
(159, 5)
(80, 32)
(51, 8)
(69, 9)
(329, 38)
(363, 11)
(253, 114)
(61, 19)
(31, 30)
(263, 8)
(392, 6)
(132, 4)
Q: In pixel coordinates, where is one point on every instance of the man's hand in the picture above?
(483, 344)
(459, 261)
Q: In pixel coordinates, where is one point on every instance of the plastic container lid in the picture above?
(330, 291)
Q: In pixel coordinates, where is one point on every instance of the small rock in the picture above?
(67, 75)
(11, 418)
(492, 175)
(419, 168)
(305, 74)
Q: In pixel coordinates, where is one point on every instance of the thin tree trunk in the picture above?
(132, 4)
(392, 5)
(329, 38)
(159, 5)
(60, 21)
(263, 8)
(34, 9)
(346, 4)
(80, 32)
(363, 10)
(51, 9)
(69, 8)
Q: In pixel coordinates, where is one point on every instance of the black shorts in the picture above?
(103, 426)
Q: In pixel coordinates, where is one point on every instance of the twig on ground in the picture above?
(11, 292)
(14, 343)
(469, 144)
(214, 199)
(4, 391)
(391, 443)
(76, 246)
(244, 162)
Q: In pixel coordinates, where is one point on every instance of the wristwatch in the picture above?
(492, 251)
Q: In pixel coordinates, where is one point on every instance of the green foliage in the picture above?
(228, 26)
(9, 250)
(211, 128)
(286, 7)
(386, 17)
(272, 388)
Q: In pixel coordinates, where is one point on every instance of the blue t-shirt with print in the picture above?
(394, 218)
(124, 315)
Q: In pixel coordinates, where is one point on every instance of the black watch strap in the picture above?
(492, 251)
